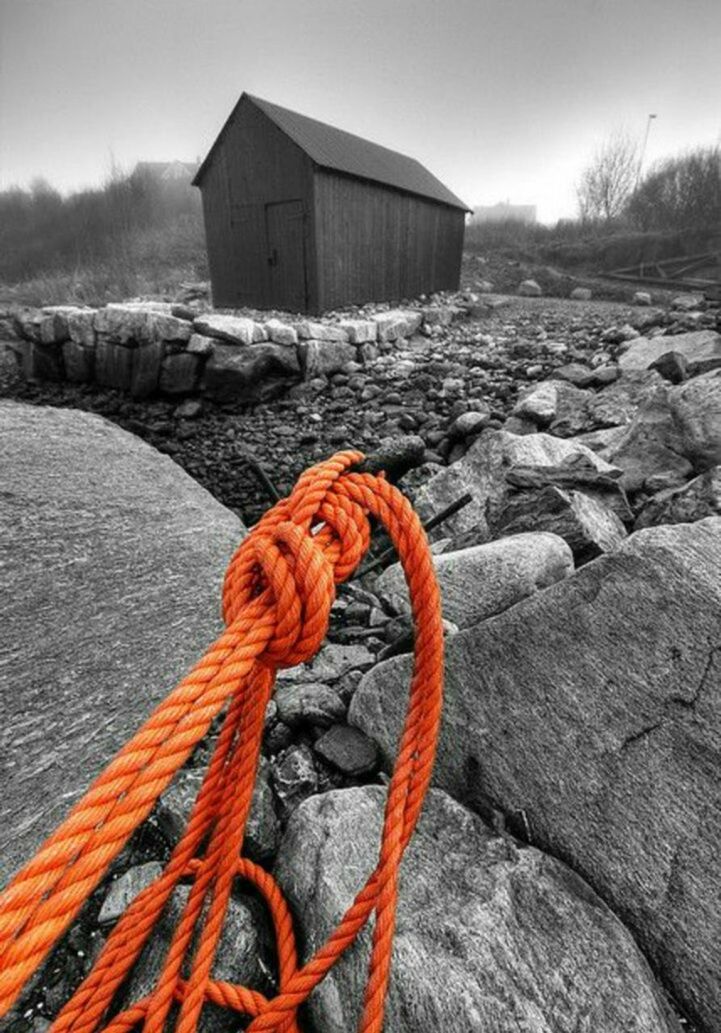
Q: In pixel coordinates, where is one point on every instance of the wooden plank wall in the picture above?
(254, 164)
(376, 244)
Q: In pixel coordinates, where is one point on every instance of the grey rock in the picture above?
(199, 344)
(112, 566)
(441, 315)
(126, 888)
(529, 289)
(236, 329)
(113, 364)
(539, 403)
(577, 374)
(601, 441)
(649, 319)
(330, 663)
(696, 500)
(580, 411)
(398, 323)
(167, 327)
(359, 331)
(174, 806)
(189, 409)
(50, 325)
(672, 366)
(696, 409)
(688, 302)
(81, 326)
(482, 473)
(642, 298)
(468, 424)
(42, 361)
(179, 373)
(309, 330)
(701, 351)
(308, 703)
(78, 362)
(676, 431)
(488, 937)
(243, 374)
(294, 776)
(318, 358)
(484, 580)
(280, 333)
(124, 324)
(589, 714)
(262, 830)
(349, 750)
(584, 522)
(146, 369)
(277, 737)
(581, 294)
(616, 404)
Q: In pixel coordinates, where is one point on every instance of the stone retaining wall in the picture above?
(149, 348)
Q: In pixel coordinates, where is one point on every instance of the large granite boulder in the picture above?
(586, 524)
(590, 715)
(483, 473)
(112, 563)
(483, 580)
(489, 937)
(675, 433)
(250, 374)
(700, 351)
(695, 500)
(235, 329)
(568, 411)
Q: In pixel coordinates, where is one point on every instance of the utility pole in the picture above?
(649, 120)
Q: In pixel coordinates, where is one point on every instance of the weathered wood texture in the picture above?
(257, 196)
(379, 244)
(285, 232)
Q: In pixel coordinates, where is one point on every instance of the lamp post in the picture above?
(649, 120)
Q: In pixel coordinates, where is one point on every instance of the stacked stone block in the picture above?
(149, 348)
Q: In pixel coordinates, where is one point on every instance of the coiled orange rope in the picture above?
(277, 596)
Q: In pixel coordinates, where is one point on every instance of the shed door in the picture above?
(285, 223)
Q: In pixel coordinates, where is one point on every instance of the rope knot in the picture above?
(278, 592)
(293, 558)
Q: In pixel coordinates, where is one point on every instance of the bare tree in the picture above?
(683, 192)
(608, 181)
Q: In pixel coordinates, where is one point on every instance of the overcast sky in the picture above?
(499, 98)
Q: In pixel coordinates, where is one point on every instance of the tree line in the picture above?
(677, 193)
(42, 231)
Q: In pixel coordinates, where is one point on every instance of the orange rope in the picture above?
(279, 588)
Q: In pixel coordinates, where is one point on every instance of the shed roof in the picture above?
(335, 149)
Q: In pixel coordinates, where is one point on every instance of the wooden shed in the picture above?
(305, 217)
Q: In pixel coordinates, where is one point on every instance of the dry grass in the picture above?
(152, 262)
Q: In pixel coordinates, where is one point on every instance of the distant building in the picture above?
(167, 171)
(503, 211)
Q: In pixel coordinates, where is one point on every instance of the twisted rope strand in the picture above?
(277, 596)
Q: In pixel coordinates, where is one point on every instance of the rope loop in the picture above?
(277, 596)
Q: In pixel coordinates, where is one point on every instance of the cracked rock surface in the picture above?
(113, 560)
(489, 937)
(590, 715)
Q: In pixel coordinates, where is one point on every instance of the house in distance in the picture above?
(305, 217)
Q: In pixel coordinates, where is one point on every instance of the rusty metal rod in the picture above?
(260, 475)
